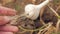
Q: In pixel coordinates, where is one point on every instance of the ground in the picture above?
(34, 27)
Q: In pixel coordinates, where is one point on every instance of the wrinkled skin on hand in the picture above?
(7, 29)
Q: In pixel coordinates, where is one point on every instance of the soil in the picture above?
(48, 15)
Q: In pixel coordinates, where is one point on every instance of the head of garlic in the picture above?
(32, 11)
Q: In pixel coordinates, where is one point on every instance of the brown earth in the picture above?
(48, 16)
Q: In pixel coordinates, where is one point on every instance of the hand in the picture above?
(6, 29)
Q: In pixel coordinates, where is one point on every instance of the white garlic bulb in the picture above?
(32, 11)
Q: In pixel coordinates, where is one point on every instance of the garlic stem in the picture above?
(43, 4)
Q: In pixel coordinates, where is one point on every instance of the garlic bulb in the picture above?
(32, 11)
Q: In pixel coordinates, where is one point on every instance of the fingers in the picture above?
(7, 11)
(9, 28)
(4, 20)
(6, 33)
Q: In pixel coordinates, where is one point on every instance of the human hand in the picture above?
(6, 29)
